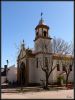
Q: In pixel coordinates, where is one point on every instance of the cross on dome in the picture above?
(41, 14)
(41, 20)
(23, 41)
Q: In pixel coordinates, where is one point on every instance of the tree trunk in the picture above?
(66, 80)
(46, 80)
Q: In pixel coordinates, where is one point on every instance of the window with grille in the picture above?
(58, 67)
(70, 67)
(64, 68)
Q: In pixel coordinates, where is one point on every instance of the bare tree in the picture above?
(18, 48)
(61, 47)
(67, 65)
(65, 51)
(47, 68)
(47, 64)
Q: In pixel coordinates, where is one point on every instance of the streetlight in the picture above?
(7, 62)
(6, 69)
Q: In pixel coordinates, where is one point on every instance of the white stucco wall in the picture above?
(40, 74)
(40, 43)
(32, 75)
(37, 74)
(3, 79)
(56, 73)
(12, 74)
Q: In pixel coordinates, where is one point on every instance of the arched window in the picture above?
(64, 68)
(37, 34)
(44, 33)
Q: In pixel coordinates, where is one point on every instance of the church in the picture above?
(30, 62)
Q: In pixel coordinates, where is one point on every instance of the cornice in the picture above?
(42, 38)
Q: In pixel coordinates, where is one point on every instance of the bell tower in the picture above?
(42, 38)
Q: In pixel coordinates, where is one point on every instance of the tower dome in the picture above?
(41, 24)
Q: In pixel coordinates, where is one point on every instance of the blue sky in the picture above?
(19, 20)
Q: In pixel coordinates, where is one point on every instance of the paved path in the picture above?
(60, 94)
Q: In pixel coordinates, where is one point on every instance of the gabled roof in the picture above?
(26, 53)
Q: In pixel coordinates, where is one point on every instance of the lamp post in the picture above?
(6, 69)
(7, 62)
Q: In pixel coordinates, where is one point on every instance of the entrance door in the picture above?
(22, 74)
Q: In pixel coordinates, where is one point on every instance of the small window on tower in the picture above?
(45, 33)
(37, 34)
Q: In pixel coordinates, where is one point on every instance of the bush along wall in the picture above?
(60, 80)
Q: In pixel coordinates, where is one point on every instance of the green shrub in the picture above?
(59, 79)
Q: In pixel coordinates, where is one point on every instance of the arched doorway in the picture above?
(22, 74)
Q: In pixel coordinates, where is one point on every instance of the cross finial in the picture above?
(41, 14)
(23, 41)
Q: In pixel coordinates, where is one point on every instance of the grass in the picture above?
(39, 89)
(29, 90)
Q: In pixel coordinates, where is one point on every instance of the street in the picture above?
(58, 94)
